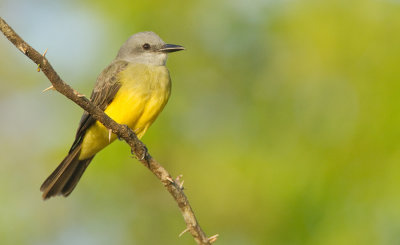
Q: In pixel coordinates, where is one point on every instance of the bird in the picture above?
(132, 90)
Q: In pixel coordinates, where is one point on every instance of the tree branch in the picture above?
(123, 131)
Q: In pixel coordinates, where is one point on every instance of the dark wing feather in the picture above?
(107, 85)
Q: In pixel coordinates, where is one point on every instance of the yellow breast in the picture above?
(144, 91)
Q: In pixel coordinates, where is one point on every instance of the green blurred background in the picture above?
(284, 121)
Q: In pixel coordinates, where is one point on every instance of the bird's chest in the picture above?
(144, 91)
(145, 81)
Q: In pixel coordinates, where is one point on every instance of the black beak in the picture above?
(169, 48)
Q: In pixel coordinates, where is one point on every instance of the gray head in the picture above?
(146, 48)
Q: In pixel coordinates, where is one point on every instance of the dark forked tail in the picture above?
(65, 177)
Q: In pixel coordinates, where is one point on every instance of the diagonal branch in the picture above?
(123, 131)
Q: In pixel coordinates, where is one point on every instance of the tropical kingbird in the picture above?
(132, 90)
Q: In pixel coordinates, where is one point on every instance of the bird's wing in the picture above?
(107, 85)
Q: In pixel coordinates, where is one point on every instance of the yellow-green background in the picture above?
(284, 121)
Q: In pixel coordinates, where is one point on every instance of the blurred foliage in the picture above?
(284, 120)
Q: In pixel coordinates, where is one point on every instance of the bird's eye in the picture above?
(146, 46)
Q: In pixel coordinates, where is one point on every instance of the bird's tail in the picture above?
(65, 177)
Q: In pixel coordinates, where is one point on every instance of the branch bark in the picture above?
(123, 131)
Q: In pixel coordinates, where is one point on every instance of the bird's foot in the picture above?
(141, 155)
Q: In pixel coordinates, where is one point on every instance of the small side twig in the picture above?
(122, 131)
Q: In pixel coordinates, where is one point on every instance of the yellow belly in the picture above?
(142, 96)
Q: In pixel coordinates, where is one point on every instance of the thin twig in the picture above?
(122, 131)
